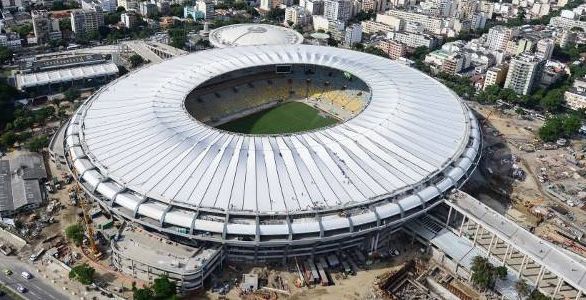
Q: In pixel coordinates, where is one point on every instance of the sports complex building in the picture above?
(273, 152)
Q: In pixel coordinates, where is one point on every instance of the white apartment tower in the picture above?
(86, 21)
(524, 71)
(338, 10)
(544, 48)
(498, 37)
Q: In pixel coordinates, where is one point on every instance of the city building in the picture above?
(267, 5)
(414, 40)
(353, 35)
(86, 21)
(313, 7)
(373, 5)
(372, 27)
(21, 183)
(128, 4)
(524, 72)
(496, 75)
(544, 48)
(567, 23)
(393, 49)
(206, 7)
(498, 37)
(106, 5)
(147, 9)
(145, 256)
(430, 24)
(11, 40)
(575, 97)
(395, 23)
(296, 15)
(129, 18)
(338, 10)
(45, 29)
(12, 5)
(320, 23)
(337, 30)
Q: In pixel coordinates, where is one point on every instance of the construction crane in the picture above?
(94, 251)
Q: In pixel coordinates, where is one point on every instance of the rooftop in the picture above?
(253, 34)
(24, 81)
(153, 250)
(19, 181)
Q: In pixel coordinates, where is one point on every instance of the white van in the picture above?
(26, 275)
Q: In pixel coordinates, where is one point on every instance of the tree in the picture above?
(177, 10)
(553, 100)
(290, 23)
(75, 233)
(275, 14)
(72, 94)
(537, 295)
(560, 126)
(37, 143)
(5, 54)
(484, 274)
(135, 60)
(164, 288)
(82, 273)
(501, 272)
(143, 294)
(522, 288)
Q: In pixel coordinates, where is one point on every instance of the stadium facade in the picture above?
(137, 151)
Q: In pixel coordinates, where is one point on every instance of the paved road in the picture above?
(38, 289)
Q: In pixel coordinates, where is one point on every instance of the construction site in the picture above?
(541, 186)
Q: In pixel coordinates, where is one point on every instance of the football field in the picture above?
(285, 118)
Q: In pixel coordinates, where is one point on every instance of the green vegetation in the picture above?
(75, 233)
(5, 54)
(82, 273)
(162, 289)
(537, 295)
(285, 118)
(135, 60)
(522, 288)
(37, 143)
(560, 126)
(11, 295)
(484, 274)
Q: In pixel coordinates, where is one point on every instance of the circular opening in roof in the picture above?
(278, 99)
(257, 29)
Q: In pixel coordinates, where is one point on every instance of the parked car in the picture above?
(21, 288)
(26, 275)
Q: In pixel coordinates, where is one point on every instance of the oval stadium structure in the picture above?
(253, 34)
(149, 149)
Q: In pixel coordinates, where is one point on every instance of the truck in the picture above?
(37, 254)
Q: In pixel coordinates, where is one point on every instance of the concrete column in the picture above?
(558, 287)
(506, 253)
(522, 265)
(579, 295)
(476, 234)
(539, 276)
(462, 225)
(490, 245)
(449, 215)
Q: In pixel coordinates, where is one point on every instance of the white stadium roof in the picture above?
(137, 132)
(24, 81)
(253, 35)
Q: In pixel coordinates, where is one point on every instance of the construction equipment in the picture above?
(94, 251)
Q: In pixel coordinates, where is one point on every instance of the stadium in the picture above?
(273, 152)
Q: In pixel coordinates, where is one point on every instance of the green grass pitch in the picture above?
(285, 118)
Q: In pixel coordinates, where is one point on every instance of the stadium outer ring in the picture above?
(340, 226)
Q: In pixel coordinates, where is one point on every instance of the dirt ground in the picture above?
(550, 196)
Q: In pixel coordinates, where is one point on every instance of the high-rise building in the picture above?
(495, 75)
(544, 48)
(207, 7)
(12, 5)
(129, 18)
(313, 7)
(267, 5)
(353, 34)
(524, 71)
(44, 28)
(296, 15)
(393, 49)
(575, 97)
(86, 21)
(128, 4)
(338, 10)
(106, 5)
(396, 23)
(147, 9)
(430, 24)
(373, 5)
(498, 37)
